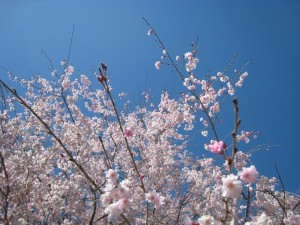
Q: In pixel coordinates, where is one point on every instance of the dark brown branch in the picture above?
(298, 204)
(66, 104)
(6, 194)
(276, 198)
(234, 133)
(105, 152)
(94, 207)
(247, 204)
(230, 160)
(181, 204)
(106, 87)
(283, 189)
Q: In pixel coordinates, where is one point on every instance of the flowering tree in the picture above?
(71, 155)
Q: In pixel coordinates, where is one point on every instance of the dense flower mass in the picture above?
(75, 155)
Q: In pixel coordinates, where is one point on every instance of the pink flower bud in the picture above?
(101, 79)
(128, 132)
(217, 147)
(104, 67)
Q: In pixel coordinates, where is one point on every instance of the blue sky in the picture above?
(113, 32)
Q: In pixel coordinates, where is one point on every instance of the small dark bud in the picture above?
(235, 150)
(100, 71)
(235, 101)
(104, 67)
(229, 160)
(101, 79)
(239, 122)
(62, 155)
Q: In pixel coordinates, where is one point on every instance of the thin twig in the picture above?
(94, 207)
(6, 194)
(49, 60)
(283, 189)
(70, 47)
(66, 104)
(105, 152)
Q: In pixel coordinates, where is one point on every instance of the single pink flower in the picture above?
(249, 175)
(128, 132)
(157, 65)
(232, 187)
(217, 147)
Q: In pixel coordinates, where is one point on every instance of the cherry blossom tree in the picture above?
(73, 154)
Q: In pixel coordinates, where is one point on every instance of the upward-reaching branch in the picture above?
(193, 92)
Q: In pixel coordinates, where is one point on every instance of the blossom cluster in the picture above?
(76, 155)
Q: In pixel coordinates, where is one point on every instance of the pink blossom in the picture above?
(217, 147)
(263, 219)
(124, 203)
(249, 175)
(112, 175)
(63, 62)
(114, 209)
(206, 220)
(151, 31)
(128, 132)
(69, 70)
(232, 187)
(139, 221)
(157, 65)
(154, 198)
(292, 218)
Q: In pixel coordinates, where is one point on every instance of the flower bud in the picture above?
(104, 67)
(101, 79)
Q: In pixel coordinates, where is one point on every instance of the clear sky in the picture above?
(113, 32)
